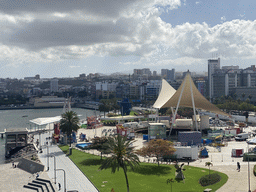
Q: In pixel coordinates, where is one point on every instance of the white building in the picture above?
(54, 85)
(213, 65)
(106, 86)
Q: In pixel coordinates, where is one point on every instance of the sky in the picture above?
(62, 38)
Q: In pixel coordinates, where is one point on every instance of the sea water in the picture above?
(20, 119)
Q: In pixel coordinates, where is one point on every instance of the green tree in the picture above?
(99, 143)
(122, 155)
(230, 98)
(104, 106)
(243, 95)
(209, 164)
(69, 123)
(234, 96)
(157, 148)
(250, 96)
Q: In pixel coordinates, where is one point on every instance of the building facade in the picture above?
(213, 65)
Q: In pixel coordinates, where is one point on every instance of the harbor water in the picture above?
(20, 119)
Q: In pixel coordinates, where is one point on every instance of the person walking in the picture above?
(59, 186)
(238, 166)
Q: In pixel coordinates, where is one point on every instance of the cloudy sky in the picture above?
(62, 38)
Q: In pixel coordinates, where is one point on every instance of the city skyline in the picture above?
(63, 39)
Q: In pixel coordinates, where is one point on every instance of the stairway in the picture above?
(40, 185)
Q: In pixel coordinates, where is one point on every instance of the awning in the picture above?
(252, 141)
(117, 118)
(45, 120)
(167, 91)
(186, 101)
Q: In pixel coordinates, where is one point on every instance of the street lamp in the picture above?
(64, 178)
(54, 168)
(47, 158)
(248, 169)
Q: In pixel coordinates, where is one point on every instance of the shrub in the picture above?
(205, 180)
(112, 115)
(254, 170)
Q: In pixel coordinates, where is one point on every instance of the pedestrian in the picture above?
(59, 186)
(12, 164)
(37, 175)
(238, 166)
(188, 162)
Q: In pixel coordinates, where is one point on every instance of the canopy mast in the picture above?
(176, 110)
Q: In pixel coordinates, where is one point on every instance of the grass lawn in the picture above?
(147, 177)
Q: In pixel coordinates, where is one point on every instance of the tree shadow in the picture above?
(152, 170)
(89, 162)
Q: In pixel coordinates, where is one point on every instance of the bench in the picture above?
(207, 190)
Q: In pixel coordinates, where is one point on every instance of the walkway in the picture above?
(223, 162)
(75, 179)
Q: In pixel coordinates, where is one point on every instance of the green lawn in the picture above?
(147, 177)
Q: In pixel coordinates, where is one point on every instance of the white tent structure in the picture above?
(188, 96)
(167, 91)
(45, 120)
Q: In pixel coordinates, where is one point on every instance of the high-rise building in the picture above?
(213, 65)
(146, 71)
(54, 85)
(164, 72)
(170, 74)
(231, 80)
(37, 76)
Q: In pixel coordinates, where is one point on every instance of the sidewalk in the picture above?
(75, 179)
(223, 162)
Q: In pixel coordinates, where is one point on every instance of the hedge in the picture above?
(206, 180)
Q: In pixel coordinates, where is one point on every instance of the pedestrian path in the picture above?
(75, 179)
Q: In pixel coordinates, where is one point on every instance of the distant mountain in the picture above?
(121, 73)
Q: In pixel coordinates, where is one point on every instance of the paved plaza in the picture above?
(76, 180)
(13, 179)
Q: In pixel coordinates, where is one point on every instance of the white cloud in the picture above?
(61, 15)
(230, 39)
(223, 19)
(135, 29)
(74, 66)
(197, 2)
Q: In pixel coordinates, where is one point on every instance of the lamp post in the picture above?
(47, 158)
(248, 170)
(64, 178)
(54, 168)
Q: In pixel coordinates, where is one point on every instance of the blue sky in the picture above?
(65, 39)
(212, 12)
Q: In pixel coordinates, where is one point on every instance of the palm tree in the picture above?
(250, 96)
(243, 95)
(208, 164)
(122, 156)
(170, 181)
(69, 123)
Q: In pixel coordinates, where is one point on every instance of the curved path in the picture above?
(75, 179)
